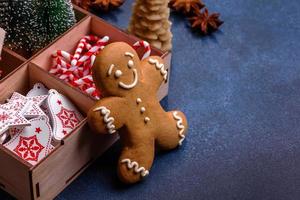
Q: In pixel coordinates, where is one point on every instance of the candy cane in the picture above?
(85, 80)
(78, 51)
(145, 45)
(93, 92)
(55, 70)
(100, 44)
(60, 67)
(64, 54)
(83, 43)
(62, 63)
(77, 70)
(92, 38)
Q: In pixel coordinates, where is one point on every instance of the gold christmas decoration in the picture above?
(150, 22)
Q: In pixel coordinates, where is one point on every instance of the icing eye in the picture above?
(130, 63)
(118, 73)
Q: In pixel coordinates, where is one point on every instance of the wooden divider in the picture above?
(9, 63)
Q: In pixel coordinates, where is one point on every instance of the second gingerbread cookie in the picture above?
(131, 107)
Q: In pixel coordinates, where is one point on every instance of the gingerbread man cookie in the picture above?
(131, 107)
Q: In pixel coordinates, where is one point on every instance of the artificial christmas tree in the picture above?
(150, 22)
(32, 24)
(19, 20)
(60, 16)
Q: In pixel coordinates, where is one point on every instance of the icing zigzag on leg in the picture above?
(134, 165)
(180, 127)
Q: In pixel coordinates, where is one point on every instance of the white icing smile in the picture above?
(119, 73)
(133, 84)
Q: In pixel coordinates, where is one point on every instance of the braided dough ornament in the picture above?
(150, 22)
(131, 107)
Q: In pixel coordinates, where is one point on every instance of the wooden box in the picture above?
(9, 62)
(69, 158)
(79, 149)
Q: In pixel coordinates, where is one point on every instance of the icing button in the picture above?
(143, 109)
(138, 100)
(147, 119)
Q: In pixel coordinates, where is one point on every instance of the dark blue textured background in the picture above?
(240, 89)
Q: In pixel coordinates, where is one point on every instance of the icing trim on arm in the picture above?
(135, 166)
(159, 66)
(107, 119)
(180, 127)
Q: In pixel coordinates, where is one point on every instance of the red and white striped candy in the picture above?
(64, 54)
(83, 43)
(145, 45)
(99, 45)
(76, 70)
(78, 51)
(85, 80)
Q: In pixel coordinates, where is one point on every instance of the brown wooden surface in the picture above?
(10, 61)
(79, 13)
(14, 175)
(16, 82)
(81, 10)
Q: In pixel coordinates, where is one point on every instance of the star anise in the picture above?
(205, 22)
(106, 5)
(85, 4)
(186, 6)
